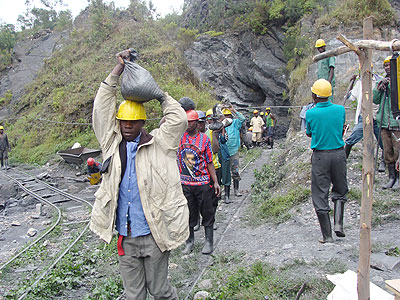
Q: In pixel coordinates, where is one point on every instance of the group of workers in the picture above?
(262, 127)
(325, 123)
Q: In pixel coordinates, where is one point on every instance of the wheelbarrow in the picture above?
(78, 155)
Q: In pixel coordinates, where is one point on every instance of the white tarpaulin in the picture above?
(346, 288)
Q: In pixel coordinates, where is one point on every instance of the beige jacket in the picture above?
(257, 123)
(164, 205)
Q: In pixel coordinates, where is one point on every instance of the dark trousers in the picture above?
(328, 167)
(201, 199)
(391, 145)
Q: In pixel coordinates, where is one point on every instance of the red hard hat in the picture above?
(90, 161)
(192, 115)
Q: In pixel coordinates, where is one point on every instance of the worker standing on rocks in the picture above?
(4, 148)
(140, 195)
(199, 181)
(270, 123)
(257, 123)
(390, 131)
(326, 67)
(325, 124)
(233, 144)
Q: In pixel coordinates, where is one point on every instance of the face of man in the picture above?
(267, 112)
(1, 131)
(131, 129)
(256, 115)
(202, 126)
(192, 126)
(321, 49)
(209, 120)
(386, 66)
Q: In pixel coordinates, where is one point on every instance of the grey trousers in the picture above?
(328, 167)
(144, 267)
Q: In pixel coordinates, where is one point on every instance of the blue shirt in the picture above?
(325, 124)
(129, 207)
(233, 131)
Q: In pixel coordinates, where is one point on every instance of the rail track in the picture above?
(61, 233)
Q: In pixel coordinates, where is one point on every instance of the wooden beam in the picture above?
(349, 44)
(368, 169)
(363, 44)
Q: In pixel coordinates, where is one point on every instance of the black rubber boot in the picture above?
(392, 177)
(347, 149)
(396, 184)
(236, 188)
(254, 144)
(189, 242)
(227, 199)
(197, 227)
(382, 165)
(325, 223)
(272, 143)
(209, 235)
(338, 218)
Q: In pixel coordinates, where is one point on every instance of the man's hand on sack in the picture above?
(123, 55)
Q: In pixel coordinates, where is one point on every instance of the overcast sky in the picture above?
(9, 10)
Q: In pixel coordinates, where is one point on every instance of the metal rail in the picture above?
(40, 198)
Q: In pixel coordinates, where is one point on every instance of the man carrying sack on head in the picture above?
(140, 195)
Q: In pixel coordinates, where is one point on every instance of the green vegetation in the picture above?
(354, 194)
(64, 89)
(7, 42)
(260, 279)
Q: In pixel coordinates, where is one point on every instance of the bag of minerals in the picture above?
(137, 84)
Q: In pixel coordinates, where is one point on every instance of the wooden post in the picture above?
(368, 169)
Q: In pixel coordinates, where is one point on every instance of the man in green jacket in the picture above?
(140, 195)
(326, 67)
(390, 131)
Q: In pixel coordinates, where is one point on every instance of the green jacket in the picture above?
(386, 119)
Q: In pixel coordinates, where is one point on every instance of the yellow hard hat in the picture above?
(209, 112)
(255, 111)
(268, 108)
(261, 113)
(387, 59)
(320, 43)
(322, 88)
(131, 111)
(226, 111)
(1, 127)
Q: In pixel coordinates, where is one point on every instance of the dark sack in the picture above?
(138, 85)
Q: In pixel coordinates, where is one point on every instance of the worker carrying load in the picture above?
(140, 195)
(93, 169)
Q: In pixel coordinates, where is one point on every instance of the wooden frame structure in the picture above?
(363, 49)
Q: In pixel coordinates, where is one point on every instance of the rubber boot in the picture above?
(6, 164)
(272, 143)
(197, 227)
(392, 177)
(236, 188)
(338, 218)
(209, 235)
(2, 165)
(396, 184)
(227, 199)
(347, 149)
(382, 165)
(325, 223)
(189, 242)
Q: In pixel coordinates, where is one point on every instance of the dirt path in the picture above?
(297, 239)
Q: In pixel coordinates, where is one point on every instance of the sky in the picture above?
(9, 11)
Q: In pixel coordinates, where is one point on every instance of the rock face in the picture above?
(244, 68)
(29, 56)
